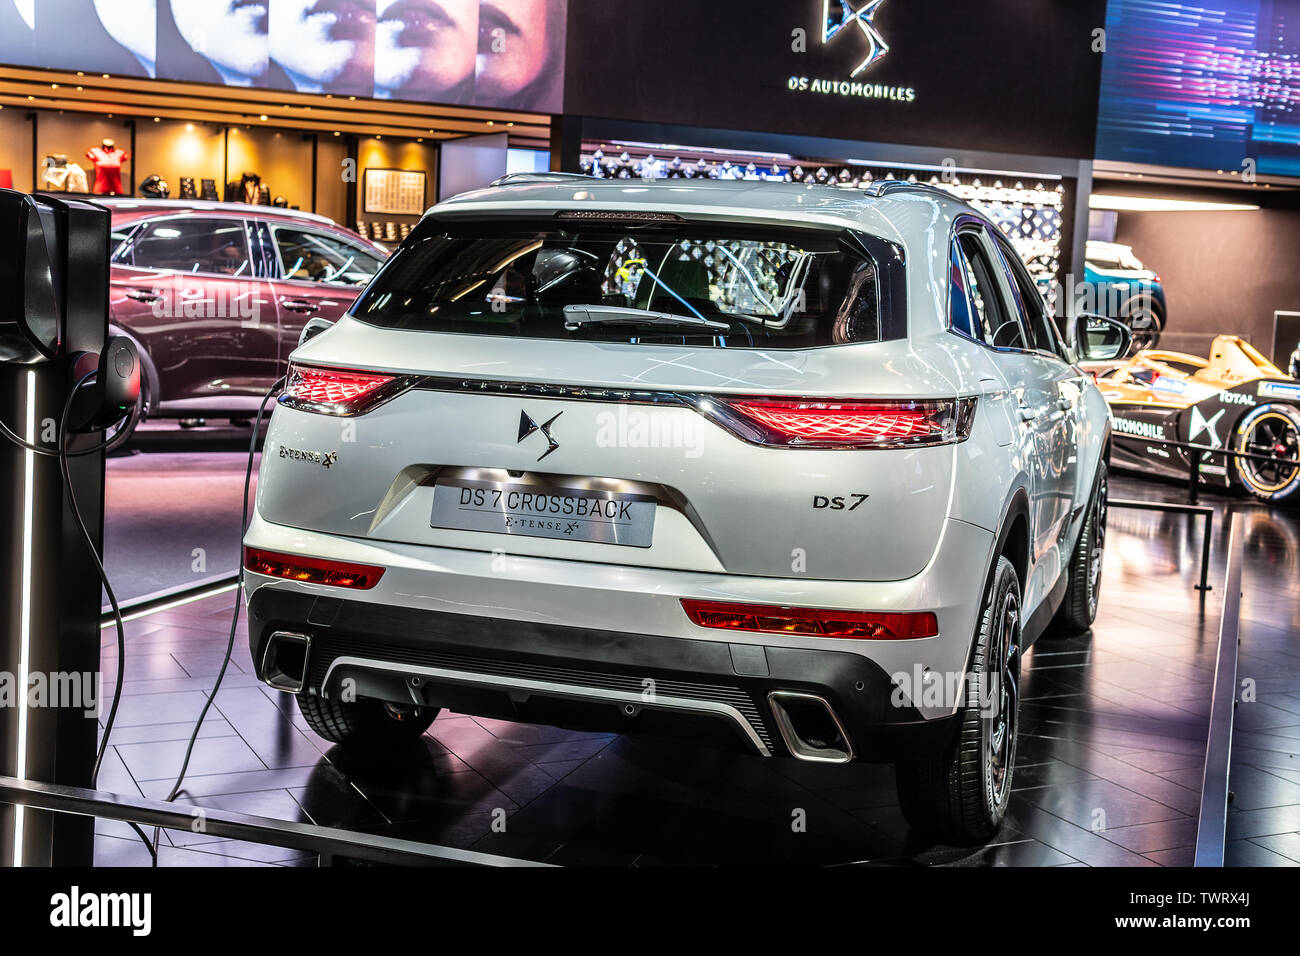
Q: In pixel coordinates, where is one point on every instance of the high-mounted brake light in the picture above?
(291, 567)
(848, 423)
(335, 391)
(855, 625)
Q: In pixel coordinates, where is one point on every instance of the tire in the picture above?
(365, 725)
(1079, 609)
(1145, 321)
(1269, 430)
(962, 796)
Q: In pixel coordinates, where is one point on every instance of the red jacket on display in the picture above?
(108, 169)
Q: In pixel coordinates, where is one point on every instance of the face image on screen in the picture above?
(132, 24)
(500, 53)
(111, 36)
(323, 46)
(520, 53)
(1202, 86)
(425, 49)
(17, 31)
(214, 41)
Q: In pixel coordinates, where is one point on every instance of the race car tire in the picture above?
(1271, 429)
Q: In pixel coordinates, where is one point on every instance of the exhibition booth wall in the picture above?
(1227, 266)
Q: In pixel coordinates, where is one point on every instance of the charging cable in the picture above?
(177, 790)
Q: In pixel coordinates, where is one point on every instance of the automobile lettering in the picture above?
(324, 459)
(1138, 429)
(838, 503)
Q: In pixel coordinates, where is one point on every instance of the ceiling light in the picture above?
(1152, 204)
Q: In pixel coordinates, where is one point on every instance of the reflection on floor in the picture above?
(1264, 817)
(1108, 772)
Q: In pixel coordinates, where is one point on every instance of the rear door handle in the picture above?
(1028, 414)
(300, 305)
(143, 295)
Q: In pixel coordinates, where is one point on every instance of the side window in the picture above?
(1029, 301)
(961, 303)
(259, 240)
(119, 242)
(214, 246)
(994, 323)
(312, 256)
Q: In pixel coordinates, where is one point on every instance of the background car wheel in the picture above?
(1270, 430)
(1145, 321)
(365, 724)
(1079, 609)
(963, 795)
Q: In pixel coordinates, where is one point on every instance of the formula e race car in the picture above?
(1235, 400)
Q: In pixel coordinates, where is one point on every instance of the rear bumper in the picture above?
(589, 679)
(578, 644)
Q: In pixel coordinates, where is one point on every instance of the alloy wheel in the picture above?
(1275, 435)
(1001, 705)
(1098, 521)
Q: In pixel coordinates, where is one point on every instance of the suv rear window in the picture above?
(676, 283)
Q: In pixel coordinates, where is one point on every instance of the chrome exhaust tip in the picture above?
(811, 729)
(284, 661)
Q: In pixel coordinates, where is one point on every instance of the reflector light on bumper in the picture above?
(336, 391)
(855, 625)
(843, 423)
(291, 567)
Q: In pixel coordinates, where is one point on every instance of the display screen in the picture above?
(503, 53)
(1208, 86)
(1016, 76)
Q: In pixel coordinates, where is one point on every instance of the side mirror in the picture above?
(31, 293)
(313, 328)
(1099, 339)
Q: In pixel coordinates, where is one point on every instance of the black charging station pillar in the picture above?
(49, 589)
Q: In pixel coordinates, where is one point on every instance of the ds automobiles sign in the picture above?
(853, 20)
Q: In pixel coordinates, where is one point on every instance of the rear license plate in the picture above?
(542, 511)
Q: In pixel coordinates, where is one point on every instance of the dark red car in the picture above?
(216, 295)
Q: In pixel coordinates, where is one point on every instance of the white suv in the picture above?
(793, 467)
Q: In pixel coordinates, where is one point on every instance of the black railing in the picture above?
(1212, 824)
(329, 844)
(1194, 510)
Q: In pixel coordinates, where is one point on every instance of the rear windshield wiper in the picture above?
(577, 316)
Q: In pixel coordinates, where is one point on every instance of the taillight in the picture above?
(291, 567)
(857, 625)
(848, 423)
(336, 391)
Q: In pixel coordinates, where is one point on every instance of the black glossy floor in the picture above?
(1113, 735)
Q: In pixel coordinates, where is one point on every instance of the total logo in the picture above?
(853, 21)
(1235, 398)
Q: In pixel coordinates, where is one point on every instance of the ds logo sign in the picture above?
(840, 15)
